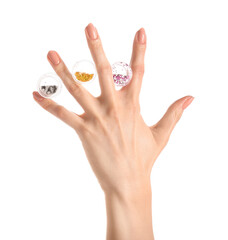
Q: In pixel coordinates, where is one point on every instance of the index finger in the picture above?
(84, 98)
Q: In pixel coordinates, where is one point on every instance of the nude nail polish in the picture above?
(91, 31)
(54, 57)
(141, 37)
(187, 102)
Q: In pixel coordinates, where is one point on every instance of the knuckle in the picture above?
(135, 107)
(60, 69)
(80, 128)
(96, 44)
(141, 47)
(74, 88)
(83, 131)
(139, 69)
(132, 102)
(133, 111)
(46, 104)
(176, 114)
(59, 110)
(104, 69)
(113, 112)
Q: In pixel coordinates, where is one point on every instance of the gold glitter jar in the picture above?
(84, 71)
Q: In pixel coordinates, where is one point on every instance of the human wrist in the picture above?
(129, 214)
(125, 188)
(130, 192)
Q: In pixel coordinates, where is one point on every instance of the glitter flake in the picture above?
(122, 73)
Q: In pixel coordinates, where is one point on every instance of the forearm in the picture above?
(129, 216)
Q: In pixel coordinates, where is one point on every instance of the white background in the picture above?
(47, 188)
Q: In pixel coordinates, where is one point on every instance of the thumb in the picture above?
(163, 128)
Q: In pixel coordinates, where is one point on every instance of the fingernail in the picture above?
(91, 31)
(37, 96)
(141, 36)
(187, 102)
(54, 57)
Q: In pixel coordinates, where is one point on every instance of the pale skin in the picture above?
(120, 147)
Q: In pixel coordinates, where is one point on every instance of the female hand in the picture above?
(120, 147)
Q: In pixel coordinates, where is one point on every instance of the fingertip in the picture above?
(53, 57)
(90, 24)
(50, 52)
(188, 100)
(142, 29)
(189, 96)
(91, 32)
(37, 96)
(141, 36)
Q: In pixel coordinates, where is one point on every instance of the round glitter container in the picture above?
(84, 71)
(122, 73)
(49, 85)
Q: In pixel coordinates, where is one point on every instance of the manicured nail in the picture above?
(37, 96)
(91, 31)
(54, 57)
(141, 36)
(187, 102)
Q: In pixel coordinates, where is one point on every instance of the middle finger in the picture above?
(103, 67)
